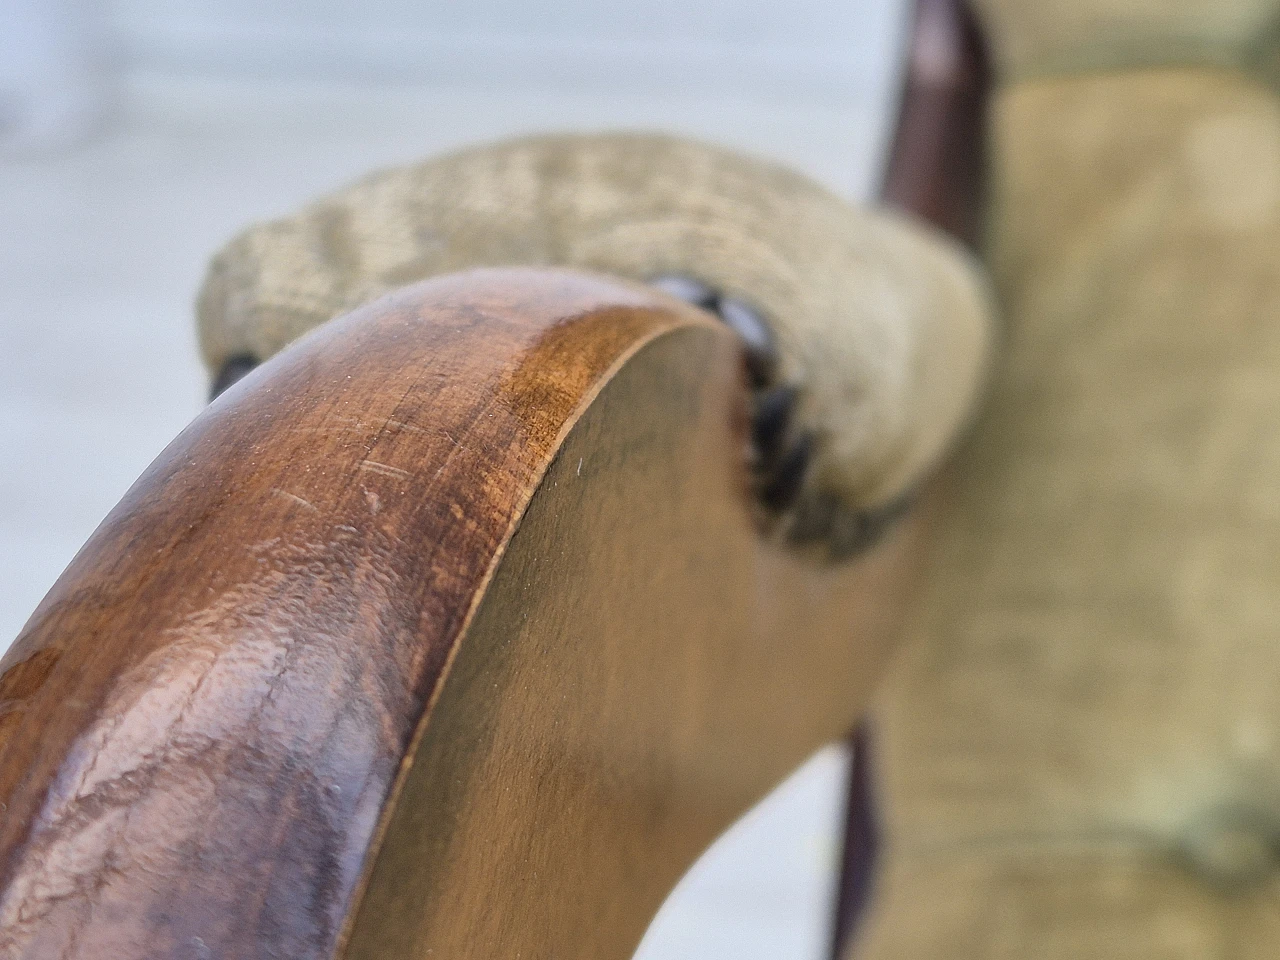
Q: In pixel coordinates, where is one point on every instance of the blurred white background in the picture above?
(136, 136)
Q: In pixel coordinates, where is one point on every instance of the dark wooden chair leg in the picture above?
(861, 845)
(936, 171)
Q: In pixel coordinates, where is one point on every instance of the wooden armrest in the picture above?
(448, 632)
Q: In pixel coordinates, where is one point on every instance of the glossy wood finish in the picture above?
(937, 163)
(445, 633)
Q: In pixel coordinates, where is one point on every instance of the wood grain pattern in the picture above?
(447, 632)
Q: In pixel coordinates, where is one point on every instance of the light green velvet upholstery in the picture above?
(1081, 748)
(883, 324)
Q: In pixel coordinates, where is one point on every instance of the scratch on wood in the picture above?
(385, 469)
(296, 499)
(401, 425)
(354, 423)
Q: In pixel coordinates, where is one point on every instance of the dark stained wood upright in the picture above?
(937, 172)
(937, 162)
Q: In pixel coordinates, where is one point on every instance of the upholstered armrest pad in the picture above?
(882, 324)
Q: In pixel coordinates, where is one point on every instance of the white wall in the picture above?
(60, 59)
(52, 72)
(813, 48)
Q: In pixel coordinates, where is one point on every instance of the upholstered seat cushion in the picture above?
(1040, 37)
(1082, 747)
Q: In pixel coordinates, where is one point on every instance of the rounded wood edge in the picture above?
(642, 668)
(201, 724)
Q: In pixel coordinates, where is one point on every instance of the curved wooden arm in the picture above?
(445, 633)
